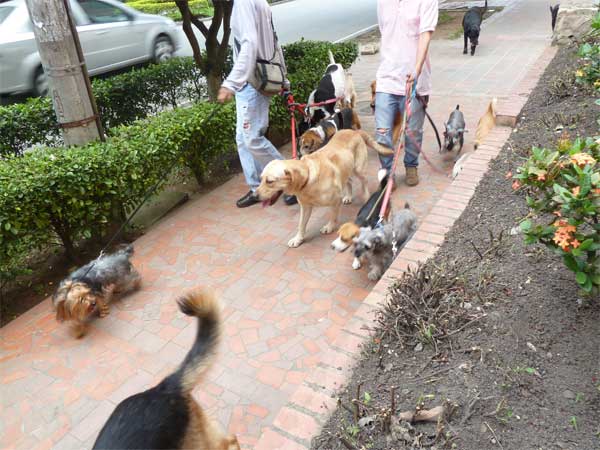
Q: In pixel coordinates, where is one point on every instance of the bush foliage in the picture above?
(66, 195)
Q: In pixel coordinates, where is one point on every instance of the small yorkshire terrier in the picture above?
(91, 287)
(376, 246)
(167, 415)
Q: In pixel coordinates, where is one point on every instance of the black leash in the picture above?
(437, 134)
(147, 196)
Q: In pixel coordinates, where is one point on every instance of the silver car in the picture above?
(112, 36)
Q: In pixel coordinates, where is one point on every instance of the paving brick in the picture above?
(296, 423)
(312, 400)
(271, 440)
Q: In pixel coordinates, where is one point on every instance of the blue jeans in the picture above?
(387, 106)
(254, 149)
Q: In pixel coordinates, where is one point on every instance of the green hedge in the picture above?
(170, 9)
(67, 195)
(121, 99)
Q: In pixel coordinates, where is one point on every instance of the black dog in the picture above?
(554, 14)
(472, 26)
(167, 416)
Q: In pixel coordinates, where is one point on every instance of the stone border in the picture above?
(309, 408)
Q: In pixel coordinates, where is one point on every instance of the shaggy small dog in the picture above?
(167, 416)
(379, 246)
(91, 287)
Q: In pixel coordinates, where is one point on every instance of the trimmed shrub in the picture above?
(169, 9)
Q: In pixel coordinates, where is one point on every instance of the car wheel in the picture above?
(40, 83)
(163, 49)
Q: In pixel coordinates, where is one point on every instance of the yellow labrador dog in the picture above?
(321, 178)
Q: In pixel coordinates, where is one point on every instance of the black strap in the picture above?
(437, 134)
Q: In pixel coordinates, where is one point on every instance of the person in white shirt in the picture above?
(254, 37)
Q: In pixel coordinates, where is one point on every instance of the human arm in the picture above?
(245, 61)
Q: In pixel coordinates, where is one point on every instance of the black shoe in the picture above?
(290, 199)
(248, 200)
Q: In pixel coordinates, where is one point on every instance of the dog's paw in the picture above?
(356, 264)
(374, 275)
(347, 200)
(327, 229)
(296, 241)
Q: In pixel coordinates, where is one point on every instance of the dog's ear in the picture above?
(61, 311)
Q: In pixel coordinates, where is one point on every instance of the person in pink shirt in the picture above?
(406, 28)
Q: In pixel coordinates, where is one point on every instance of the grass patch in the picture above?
(458, 33)
(444, 17)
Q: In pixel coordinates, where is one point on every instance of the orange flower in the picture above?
(576, 191)
(508, 175)
(541, 177)
(516, 185)
(581, 159)
(597, 191)
(563, 236)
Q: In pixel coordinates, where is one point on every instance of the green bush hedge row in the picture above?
(170, 9)
(67, 195)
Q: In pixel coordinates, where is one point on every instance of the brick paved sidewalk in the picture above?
(291, 315)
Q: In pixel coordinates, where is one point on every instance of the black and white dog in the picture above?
(331, 86)
(472, 26)
(454, 133)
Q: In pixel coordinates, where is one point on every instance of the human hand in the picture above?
(410, 81)
(225, 95)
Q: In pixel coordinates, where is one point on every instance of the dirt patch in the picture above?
(494, 330)
(449, 26)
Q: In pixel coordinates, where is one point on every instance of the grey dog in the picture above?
(379, 246)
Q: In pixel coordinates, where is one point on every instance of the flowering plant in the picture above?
(563, 194)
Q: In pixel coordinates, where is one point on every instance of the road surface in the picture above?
(321, 20)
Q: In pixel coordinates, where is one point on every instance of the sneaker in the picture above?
(248, 200)
(290, 199)
(412, 176)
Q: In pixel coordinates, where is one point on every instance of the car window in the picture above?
(100, 12)
(5, 12)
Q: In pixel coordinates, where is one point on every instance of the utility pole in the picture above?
(64, 65)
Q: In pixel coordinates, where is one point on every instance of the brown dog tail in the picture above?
(203, 304)
(486, 123)
(381, 149)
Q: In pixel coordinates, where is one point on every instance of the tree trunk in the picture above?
(65, 69)
(212, 62)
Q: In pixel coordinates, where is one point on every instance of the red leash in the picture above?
(294, 107)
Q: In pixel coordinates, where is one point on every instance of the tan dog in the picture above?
(397, 127)
(321, 178)
(316, 137)
(486, 123)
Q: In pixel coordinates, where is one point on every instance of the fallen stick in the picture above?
(425, 415)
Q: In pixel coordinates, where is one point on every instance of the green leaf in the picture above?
(526, 225)
(570, 262)
(581, 278)
(585, 245)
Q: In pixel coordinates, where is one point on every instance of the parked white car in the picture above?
(112, 36)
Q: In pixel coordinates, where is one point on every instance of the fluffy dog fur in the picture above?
(167, 416)
(486, 123)
(397, 127)
(472, 26)
(91, 287)
(376, 246)
(367, 216)
(316, 137)
(321, 178)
